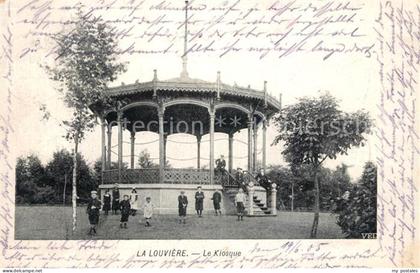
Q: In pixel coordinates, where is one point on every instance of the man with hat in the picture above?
(217, 198)
(220, 165)
(182, 207)
(239, 176)
(115, 199)
(93, 211)
(199, 200)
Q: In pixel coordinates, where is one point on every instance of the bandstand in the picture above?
(189, 106)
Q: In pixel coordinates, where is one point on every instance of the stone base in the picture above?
(165, 196)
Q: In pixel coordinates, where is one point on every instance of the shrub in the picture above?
(357, 207)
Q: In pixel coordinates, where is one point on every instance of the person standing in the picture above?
(240, 199)
(182, 207)
(134, 201)
(199, 201)
(148, 211)
(220, 165)
(217, 198)
(264, 182)
(93, 211)
(239, 176)
(125, 211)
(115, 199)
(107, 202)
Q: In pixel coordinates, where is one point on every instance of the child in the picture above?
(217, 198)
(240, 204)
(148, 211)
(199, 199)
(125, 211)
(115, 199)
(182, 207)
(134, 201)
(93, 211)
(107, 202)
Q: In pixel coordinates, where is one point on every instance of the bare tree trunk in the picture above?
(316, 205)
(74, 190)
(64, 190)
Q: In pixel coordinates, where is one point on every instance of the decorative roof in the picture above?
(186, 84)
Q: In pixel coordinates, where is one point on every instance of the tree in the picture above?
(85, 64)
(145, 161)
(357, 208)
(30, 176)
(59, 169)
(315, 129)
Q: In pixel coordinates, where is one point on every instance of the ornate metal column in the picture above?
(198, 151)
(255, 152)
(230, 152)
(103, 147)
(120, 145)
(250, 142)
(109, 148)
(211, 163)
(264, 145)
(161, 113)
(132, 143)
(165, 141)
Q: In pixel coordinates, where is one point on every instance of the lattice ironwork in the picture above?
(131, 176)
(171, 176)
(186, 176)
(110, 176)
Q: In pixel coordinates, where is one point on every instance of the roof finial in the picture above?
(184, 73)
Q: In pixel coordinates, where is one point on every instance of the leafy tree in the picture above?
(315, 129)
(357, 208)
(59, 170)
(30, 167)
(85, 64)
(146, 162)
(30, 175)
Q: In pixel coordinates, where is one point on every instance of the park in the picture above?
(300, 199)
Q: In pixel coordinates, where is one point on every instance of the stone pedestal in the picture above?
(273, 199)
(251, 198)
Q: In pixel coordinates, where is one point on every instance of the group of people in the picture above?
(199, 203)
(130, 203)
(127, 206)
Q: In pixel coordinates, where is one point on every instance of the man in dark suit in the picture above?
(182, 207)
(220, 165)
(264, 182)
(262, 179)
(199, 201)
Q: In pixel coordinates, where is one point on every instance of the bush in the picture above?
(357, 207)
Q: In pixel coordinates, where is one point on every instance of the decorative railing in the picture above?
(150, 176)
(186, 176)
(250, 178)
(131, 176)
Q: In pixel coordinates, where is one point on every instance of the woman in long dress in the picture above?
(134, 201)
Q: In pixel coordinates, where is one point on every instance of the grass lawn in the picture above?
(54, 223)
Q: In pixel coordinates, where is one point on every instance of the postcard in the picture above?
(209, 134)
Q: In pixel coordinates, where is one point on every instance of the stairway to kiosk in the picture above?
(231, 188)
